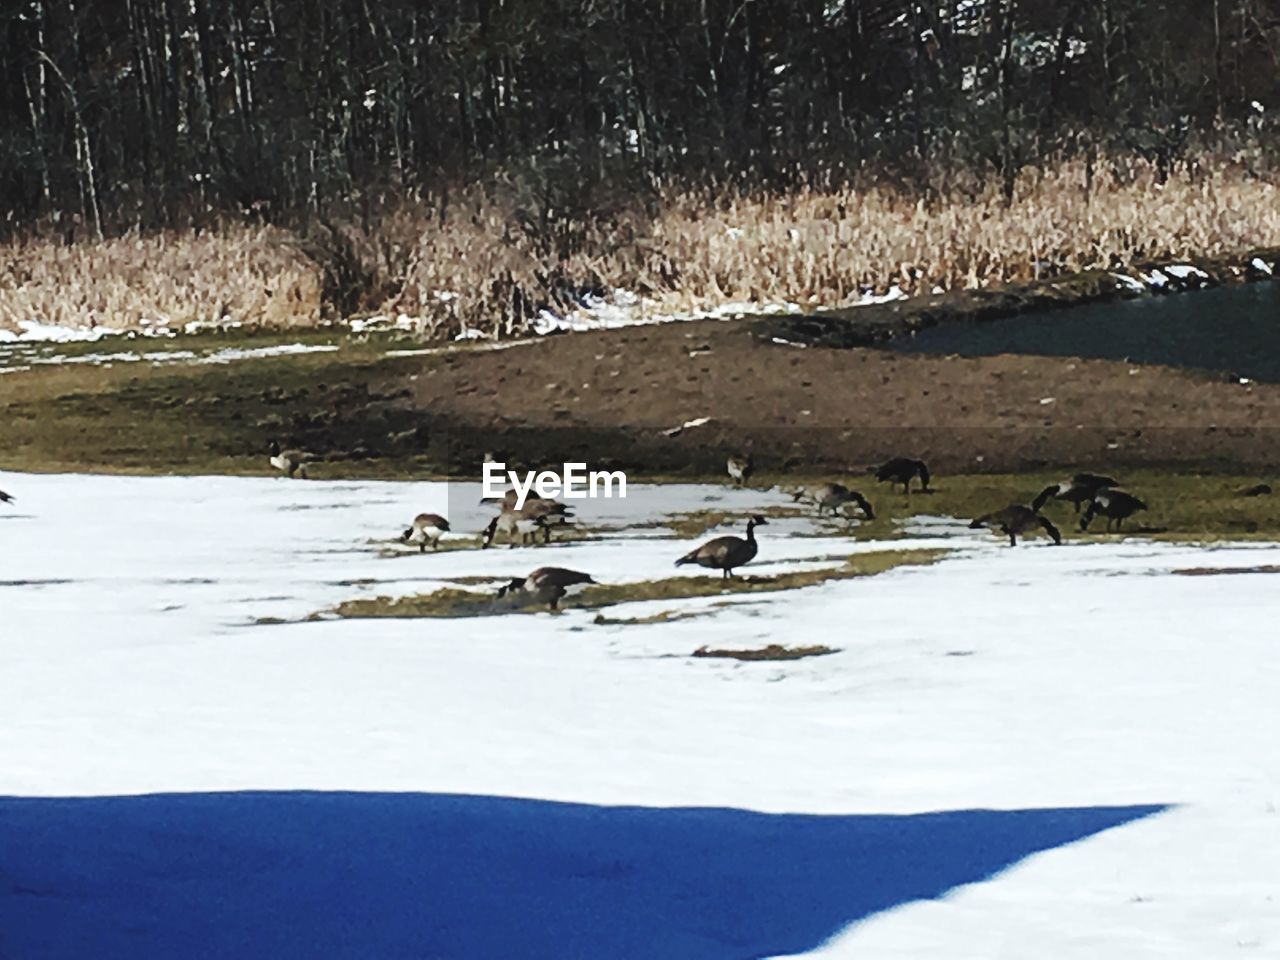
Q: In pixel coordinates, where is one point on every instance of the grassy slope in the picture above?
(210, 418)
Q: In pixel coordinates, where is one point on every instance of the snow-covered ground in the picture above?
(1082, 676)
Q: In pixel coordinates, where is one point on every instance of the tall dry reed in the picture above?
(495, 259)
(239, 273)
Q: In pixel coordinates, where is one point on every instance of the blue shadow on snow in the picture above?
(383, 876)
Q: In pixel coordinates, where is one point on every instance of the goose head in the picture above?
(516, 583)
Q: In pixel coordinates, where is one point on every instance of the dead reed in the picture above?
(237, 273)
(492, 259)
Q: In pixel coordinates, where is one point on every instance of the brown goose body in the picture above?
(427, 528)
(726, 553)
(1015, 519)
(527, 522)
(833, 496)
(545, 585)
(292, 463)
(903, 470)
(740, 468)
(1115, 505)
(1079, 490)
(552, 511)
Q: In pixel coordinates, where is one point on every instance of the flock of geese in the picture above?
(1096, 494)
(1102, 494)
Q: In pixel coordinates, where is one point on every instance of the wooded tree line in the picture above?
(115, 113)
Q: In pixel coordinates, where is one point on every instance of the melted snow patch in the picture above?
(228, 354)
(621, 308)
(1184, 270)
(158, 357)
(32, 331)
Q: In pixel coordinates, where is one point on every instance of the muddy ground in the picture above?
(610, 397)
(615, 398)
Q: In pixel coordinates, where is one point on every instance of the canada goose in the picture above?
(546, 585)
(832, 496)
(1079, 489)
(726, 553)
(1015, 519)
(1115, 505)
(290, 462)
(508, 499)
(552, 512)
(740, 468)
(903, 470)
(6, 497)
(527, 522)
(426, 528)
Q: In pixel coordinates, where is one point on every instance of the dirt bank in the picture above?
(610, 397)
(617, 398)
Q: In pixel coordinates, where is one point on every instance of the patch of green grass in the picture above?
(1183, 505)
(345, 406)
(773, 651)
(1219, 571)
(394, 547)
(445, 602)
(451, 602)
(662, 616)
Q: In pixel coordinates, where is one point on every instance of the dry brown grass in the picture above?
(498, 253)
(250, 274)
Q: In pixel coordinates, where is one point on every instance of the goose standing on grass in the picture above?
(726, 553)
(1115, 505)
(903, 470)
(1078, 490)
(290, 462)
(427, 528)
(6, 497)
(833, 496)
(545, 585)
(1015, 519)
(740, 467)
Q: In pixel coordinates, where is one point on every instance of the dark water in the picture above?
(1232, 329)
